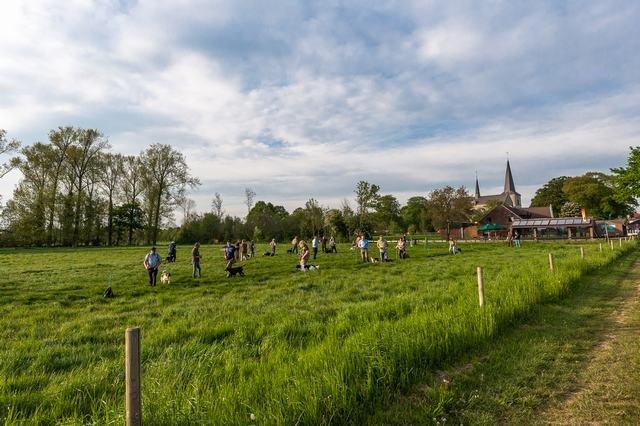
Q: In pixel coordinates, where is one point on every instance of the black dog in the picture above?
(267, 253)
(232, 271)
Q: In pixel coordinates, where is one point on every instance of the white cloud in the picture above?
(304, 100)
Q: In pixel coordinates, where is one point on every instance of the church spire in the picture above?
(477, 186)
(509, 186)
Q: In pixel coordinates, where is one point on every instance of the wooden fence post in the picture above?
(611, 241)
(600, 247)
(620, 241)
(480, 287)
(550, 262)
(132, 377)
(581, 252)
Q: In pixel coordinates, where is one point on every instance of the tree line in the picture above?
(75, 191)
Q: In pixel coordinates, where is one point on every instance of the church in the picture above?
(509, 197)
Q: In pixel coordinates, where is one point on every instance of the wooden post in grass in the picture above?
(581, 252)
(600, 247)
(550, 261)
(133, 404)
(620, 241)
(611, 241)
(480, 287)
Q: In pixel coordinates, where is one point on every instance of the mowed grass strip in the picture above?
(318, 347)
(571, 361)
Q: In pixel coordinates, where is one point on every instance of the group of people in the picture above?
(318, 242)
(153, 260)
(361, 243)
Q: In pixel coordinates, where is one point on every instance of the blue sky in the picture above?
(303, 99)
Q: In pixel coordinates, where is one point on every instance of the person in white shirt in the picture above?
(363, 244)
(151, 263)
(314, 245)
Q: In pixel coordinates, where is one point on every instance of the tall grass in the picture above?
(315, 348)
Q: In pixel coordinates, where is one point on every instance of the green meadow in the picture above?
(327, 346)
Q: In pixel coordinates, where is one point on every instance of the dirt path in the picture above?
(608, 388)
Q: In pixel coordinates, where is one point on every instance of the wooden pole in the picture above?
(620, 241)
(132, 377)
(581, 253)
(480, 287)
(600, 247)
(611, 241)
(550, 261)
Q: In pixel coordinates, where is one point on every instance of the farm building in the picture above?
(497, 222)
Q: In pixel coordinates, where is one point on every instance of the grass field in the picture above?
(332, 345)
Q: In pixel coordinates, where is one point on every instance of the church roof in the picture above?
(509, 186)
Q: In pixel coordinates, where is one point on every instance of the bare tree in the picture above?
(188, 206)
(250, 195)
(216, 206)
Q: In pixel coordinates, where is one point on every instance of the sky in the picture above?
(302, 99)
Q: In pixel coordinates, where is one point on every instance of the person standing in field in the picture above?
(229, 255)
(363, 244)
(401, 247)
(273, 245)
(332, 245)
(171, 252)
(195, 260)
(382, 248)
(304, 255)
(314, 246)
(151, 263)
(294, 244)
(323, 240)
(517, 239)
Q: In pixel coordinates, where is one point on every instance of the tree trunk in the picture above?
(110, 219)
(76, 218)
(156, 219)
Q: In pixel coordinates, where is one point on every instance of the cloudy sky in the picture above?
(301, 99)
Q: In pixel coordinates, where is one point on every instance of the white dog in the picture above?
(165, 278)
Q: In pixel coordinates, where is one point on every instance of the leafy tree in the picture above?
(387, 214)
(7, 147)
(267, 219)
(83, 157)
(334, 224)
(60, 140)
(596, 193)
(166, 177)
(626, 180)
(449, 207)
(128, 217)
(414, 214)
(570, 209)
(551, 193)
(367, 195)
(111, 171)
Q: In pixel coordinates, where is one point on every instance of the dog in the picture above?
(309, 267)
(268, 253)
(232, 271)
(290, 251)
(374, 260)
(165, 277)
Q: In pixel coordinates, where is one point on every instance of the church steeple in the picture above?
(509, 186)
(477, 187)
